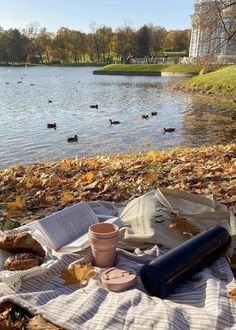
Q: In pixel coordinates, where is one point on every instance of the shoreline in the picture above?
(28, 193)
(144, 73)
(214, 82)
(53, 65)
(215, 97)
(126, 73)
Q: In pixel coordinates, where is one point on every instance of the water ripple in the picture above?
(25, 112)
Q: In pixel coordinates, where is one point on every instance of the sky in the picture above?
(82, 15)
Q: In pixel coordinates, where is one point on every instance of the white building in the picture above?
(208, 35)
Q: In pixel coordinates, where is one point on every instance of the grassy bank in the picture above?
(220, 83)
(132, 67)
(182, 68)
(31, 192)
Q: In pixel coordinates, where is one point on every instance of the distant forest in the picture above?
(37, 45)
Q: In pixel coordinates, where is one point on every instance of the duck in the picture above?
(54, 125)
(168, 129)
(144, 116)
(154, 113)
(114, 122)
(95, 106)
(73, 139)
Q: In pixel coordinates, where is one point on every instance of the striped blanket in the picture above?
(201, 303)
(198, 304)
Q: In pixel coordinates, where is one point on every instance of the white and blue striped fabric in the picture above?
(199, 304)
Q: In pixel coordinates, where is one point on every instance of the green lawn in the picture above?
(222, 80)
(133, 67)
(183, 68)
(152, 68)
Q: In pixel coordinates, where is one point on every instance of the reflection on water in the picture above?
(25, 112)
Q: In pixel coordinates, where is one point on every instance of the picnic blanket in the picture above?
(200, 303)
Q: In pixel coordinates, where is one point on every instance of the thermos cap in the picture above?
(118, 279)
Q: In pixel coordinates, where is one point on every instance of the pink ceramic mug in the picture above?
(104, 237)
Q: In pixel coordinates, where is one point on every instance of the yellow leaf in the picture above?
(152, 154)
(67, 163)
(150, 177)
(69, 277)
(67, 197)
(233, 181)
(28, 182)
(18, 204)
(90, 177)
(83, 273)
(77, 274)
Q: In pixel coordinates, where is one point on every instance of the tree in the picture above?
(177, 40)
(43, 43)
(157, 39)
(13, 46)
(125, 42)
(61, 46)
(4, 42)
(104, 37)
(35, 47)
(143, 41)
(77, 45)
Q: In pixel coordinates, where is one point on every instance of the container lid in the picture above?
(119, 279)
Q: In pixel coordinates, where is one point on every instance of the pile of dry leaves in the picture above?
(32, 192)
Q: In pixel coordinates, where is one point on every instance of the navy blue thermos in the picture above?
(162, 275)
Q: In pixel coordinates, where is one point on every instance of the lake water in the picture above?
(25, 113)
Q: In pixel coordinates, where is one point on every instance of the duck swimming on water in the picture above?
(168, 129)
(114, 122)
(73, 139)
(54, 125)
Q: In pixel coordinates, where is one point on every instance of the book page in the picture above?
(106, 210)
(68, 224)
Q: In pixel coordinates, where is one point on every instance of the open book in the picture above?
(67, 229)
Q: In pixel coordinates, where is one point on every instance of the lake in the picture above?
(25, 111)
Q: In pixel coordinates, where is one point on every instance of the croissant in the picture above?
(21, 242)
(22, 261)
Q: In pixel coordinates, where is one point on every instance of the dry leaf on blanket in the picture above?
(183, 225)
(77, 274)
(232, 294)
(38, 323)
